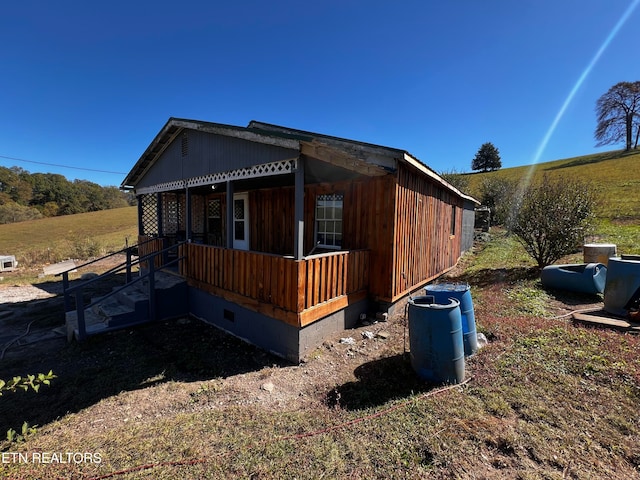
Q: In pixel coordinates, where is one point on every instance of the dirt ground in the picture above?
(265, 379)
(235, 373)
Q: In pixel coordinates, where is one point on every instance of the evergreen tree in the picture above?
(487, 159)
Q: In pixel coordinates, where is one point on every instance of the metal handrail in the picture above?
(78, 289)
(125, 249)
(136, 280)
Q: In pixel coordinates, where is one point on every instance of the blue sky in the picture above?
(89, 84)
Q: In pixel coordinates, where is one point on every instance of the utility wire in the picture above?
(62, 166)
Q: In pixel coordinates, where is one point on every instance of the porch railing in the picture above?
(149, 255)
(292, 285)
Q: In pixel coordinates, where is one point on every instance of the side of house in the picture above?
(291, 235)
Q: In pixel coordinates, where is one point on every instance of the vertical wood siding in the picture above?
(208, 153)
(367, 224)
(148, 245)
(424, 246)
(271, 220)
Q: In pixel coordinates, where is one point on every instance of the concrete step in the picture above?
(133, 297)
(130, 306)
(94, 323)
(165, 281)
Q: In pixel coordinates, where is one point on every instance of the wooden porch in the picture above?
(297, 292)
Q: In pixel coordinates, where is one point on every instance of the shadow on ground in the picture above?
(379, 382)
(593, 159)
(574, 299)
(105, 365)
(491, 276)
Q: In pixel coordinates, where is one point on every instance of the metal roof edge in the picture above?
(411, 160)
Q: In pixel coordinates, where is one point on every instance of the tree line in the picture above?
(28, 196)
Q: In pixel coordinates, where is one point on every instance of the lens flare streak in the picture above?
(575, 89)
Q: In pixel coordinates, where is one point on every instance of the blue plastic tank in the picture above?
(461, 292)
(623, 280)
(579, 277)
(435, 339)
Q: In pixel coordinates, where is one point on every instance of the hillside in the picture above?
(616, 176)
(49, 240)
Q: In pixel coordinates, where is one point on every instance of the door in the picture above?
(241, 221)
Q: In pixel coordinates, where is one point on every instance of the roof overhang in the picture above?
(175, 126)
(417, 164)
(362, 158)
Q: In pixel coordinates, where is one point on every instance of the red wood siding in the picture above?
(271, 213)
(367, 224)
(424, 246)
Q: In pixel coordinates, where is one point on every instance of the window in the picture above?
(329, 220)
(453, 219)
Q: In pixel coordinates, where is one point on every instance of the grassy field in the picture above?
(614, 175)
(50, 240)
(545, 399)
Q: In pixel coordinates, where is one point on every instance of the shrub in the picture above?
(457, 179)
(552, 218)
(87, 248)
(498, 194)
(12, 212)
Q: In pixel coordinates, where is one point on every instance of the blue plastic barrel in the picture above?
(435, 339)
(462, 292)
(623, 280)
(578, 277)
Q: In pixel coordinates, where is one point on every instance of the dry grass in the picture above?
(50, 240)
(615, 176)
(546, 399)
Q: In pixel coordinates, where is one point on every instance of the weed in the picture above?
(86, 248)
(528, 300)
(25, 432)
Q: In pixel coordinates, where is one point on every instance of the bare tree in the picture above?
(618, 112)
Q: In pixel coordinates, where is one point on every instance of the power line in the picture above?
(61, 166)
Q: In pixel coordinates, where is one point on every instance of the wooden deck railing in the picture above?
(332, 275)
(148, 245)
(285, 283)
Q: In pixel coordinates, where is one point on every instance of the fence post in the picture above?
(128, 277)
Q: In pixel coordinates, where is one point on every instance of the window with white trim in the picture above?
(329, 220)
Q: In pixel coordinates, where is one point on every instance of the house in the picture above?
(290, 235)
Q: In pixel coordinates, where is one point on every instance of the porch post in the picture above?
(298, 229)
(140, 222)
(229, 214)
(187, 225)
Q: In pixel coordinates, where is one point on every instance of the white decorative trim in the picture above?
(281, 167)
